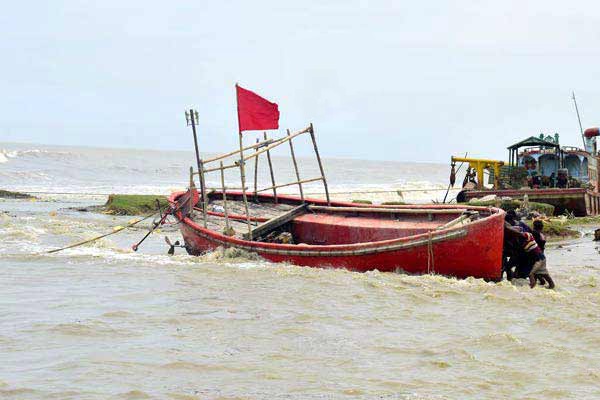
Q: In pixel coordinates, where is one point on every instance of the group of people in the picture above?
(536, 181)
(524, 251)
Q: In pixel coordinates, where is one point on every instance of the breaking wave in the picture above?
(6, 155)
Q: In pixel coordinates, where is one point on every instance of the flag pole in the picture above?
(242, 167)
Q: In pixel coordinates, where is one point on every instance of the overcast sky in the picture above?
(395, 80)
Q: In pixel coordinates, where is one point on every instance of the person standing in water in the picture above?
(536, 260)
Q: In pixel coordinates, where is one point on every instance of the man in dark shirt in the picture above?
(511, 218)
(540, 239)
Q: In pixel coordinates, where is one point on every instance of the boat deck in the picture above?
(320, 226)
(264, 211)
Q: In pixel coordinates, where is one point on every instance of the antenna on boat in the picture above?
(579, 119)
(191, 119)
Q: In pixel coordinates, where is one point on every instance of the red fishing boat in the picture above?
(458, 241)
(417, 239)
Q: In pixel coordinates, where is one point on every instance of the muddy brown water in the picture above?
(102, 322)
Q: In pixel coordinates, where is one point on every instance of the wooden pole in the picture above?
(256, 174)
(204, 194)
(278, 142)
(312, 136)
(296, 168)
(271, 171)
(207, 170)
(291, 183)
(243, 169)
(193, 116)
(225, 209)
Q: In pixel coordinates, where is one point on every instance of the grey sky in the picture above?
(397, 80)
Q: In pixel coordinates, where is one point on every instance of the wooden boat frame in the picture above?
(453, 241)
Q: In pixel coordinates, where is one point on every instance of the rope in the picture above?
(119, 229)
(430, 257)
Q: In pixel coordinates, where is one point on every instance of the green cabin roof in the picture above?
(533, 141)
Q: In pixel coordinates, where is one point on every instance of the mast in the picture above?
(579, 120)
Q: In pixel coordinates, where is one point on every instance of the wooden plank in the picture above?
(276, 222)
(389, 210)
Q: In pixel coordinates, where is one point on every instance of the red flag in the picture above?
(254, 112)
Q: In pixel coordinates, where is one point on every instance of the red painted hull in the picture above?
(472, 250)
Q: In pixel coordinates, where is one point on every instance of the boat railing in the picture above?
(261, 147)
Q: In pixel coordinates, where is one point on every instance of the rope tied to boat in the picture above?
(114, 232)
(430, 256)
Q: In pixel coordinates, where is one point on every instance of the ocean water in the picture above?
(100, 321)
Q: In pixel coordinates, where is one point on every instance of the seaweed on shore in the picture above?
(7, 194)
(133, 204)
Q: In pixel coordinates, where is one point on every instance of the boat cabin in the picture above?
(545, 163)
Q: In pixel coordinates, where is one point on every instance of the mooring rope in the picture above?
(115, 231)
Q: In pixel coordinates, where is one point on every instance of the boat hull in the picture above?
(579, 201)
(471, 250)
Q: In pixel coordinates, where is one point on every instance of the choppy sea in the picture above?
(101, 321)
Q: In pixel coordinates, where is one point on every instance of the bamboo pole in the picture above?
(314, 140)
(228, 230)
(243, 169)
(256, 175)
(279, 142)
(204, 194)
(243, 179)
(389, 210)
(234, 165)
(296, 167)
(274, 143)
(291, 183)
(234, 152)
(274, 187)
